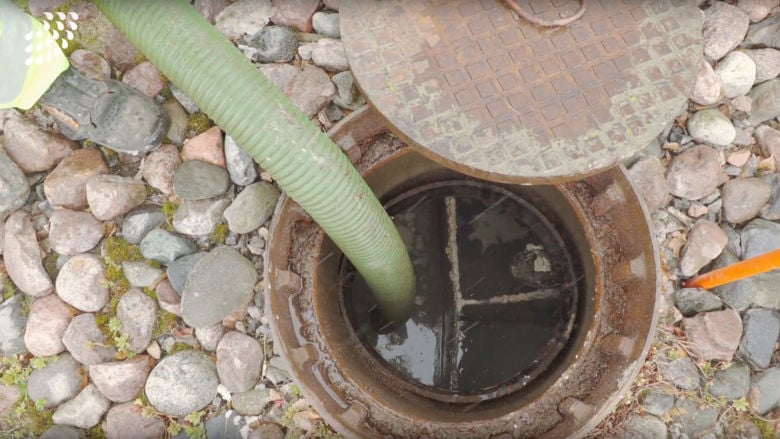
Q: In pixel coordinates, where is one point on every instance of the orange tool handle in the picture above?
(740, 270)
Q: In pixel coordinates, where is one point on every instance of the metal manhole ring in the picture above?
(478, 90)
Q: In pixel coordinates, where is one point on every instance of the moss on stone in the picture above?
(198, 123)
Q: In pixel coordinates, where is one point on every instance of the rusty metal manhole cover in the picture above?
(480, 90)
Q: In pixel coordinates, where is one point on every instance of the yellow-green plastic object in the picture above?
(309, 167)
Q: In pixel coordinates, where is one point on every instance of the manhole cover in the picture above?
(482, 91)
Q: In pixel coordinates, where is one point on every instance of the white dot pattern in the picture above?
(42, 43)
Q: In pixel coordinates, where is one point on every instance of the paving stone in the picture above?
(182, 383)
(66, 186)
(121, 381)
(57, 382)
(714, 335)
(72, 232)
(82, 283)
(691, 301)
(761, 332)
(22, 256)
(657, 402)
(83, 411)
(48, 319)
(731, 383)
(705, 243)
(86, 342)
(692, 418)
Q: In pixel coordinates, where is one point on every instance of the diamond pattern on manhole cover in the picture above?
(479, 89)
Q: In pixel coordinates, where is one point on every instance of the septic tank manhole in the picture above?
(497, 292)
(482, 91)
(544, 346)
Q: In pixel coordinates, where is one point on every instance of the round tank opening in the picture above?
(499, 285)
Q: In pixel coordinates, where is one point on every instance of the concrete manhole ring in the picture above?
(478, 90)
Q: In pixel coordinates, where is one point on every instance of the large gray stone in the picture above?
(198, 180)
(219, 284)
(12, 323)
(59, 381)
(86, 342)
(126, 421)
(694, 173)
(725, 26)
(226, 425)
(182, 383)
(72, 232)
(758, 237)
(731, 383)
(765, 391)
(743, 198)
(179, 269)
(239, 361)
(22, 256)
(121, 381)
(693, 419)
(48, 319)
(165, 247)
(681, 372)
(82, 283)
(14, 189)
(252, 402)
(761, 331)
(199, 217)
(252, 207)
(766, 101)
(643, 427)
(83, 411)
(738, 295)
(137, 313)
(691, 301)
(141, 221)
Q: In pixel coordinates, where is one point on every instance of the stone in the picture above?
(706, 90)
(199, 217)
(91, 64)
(167, 298)
(764, 393)
(72, 232)
(692, 418)
(694, 173)
(140, 274)
(267, 430)
(179, 121)
(326, 24)
(240, 165)
(9, 395)
(252, 207)
(141, 221)
(758, 237)
(83, 411)
(22, 256)
(764, 34)
(110, 196)
(330, 55)
(252, 402)
(182, 97)
(279, 74)
(760, 335)
(66, 186)
(210, 8)
(742, 103)
(714, 335)
(681, 373)
(272, 44)
(31, 147)
(239, 361)
(296, 13)
(743, 198)
(311, 90)
(725, 27)
(691, 301)
(182, 383)
(738, 295)
(226, 425)
(244, 17)
(209, 336)
(126, 421)
(165, 247)
(756, 10)
(159, 166)
(771, 211)
(767, 63)
(12, 323)
(219, 284)
(731, 383)
(14, 189)
(198, 180)
(120, 52)
(348, 96)
(145, 78)
(121, 381)
(48, 319)
(206, 146)
(55, 383)
(655, 401)
(705, 242)
(63, 432)
(737, 73)
(712, 127)
(333, 5)
(137, 314)
(645, 427)
(766, 101)
(86, 342)
(82, 283)
(179, 269)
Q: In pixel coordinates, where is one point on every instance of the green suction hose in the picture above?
(308, 166)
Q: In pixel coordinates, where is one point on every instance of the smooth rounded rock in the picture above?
(141, 221)
(766, 101)
(767, 63)
(743, 198)
(66, 186)
(86, 342)
(109, 196)
(59, 381)
(140, 274)
(31, 147)
(198, 180)
(252, 207)
(219, 284)
(48, 319)
(165, 247)
(694, 173)
(14, 189)
(711, 126)
(72, 232)
(209, 336)
(12, 323)
(145, 78)
(159, 166)
(737, 73)
(330, 55)
(179, 270)
(182, 383)
(239, 361)
(126, 421)
(725, 26)
(63, 432)
(121, 381)
(326, 24)
(83, 411)
(199, 217)
(22, 256)
(82, 283)
(137, 313)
